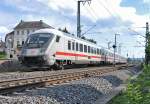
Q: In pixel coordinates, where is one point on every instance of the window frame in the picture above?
(18, 32)
(81, 47)
(73, 46)
(85, 48)
(69, 45)
(92, 51)
(89, 49)
(77, 46)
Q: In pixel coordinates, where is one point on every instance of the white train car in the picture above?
(53, 48)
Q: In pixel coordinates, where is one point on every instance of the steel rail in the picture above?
(22, 83)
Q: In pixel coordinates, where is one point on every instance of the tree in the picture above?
(65, 30)
(59, 29)
(147, 48)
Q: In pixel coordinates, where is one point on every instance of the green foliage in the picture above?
(2, 55)
(134, 94)
(147, 48)
(64, 30)
(90, 40)
(138, 90)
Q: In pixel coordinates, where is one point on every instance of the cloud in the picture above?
(3, 29)
(146, 1)
(58, 4)
(108, 15)
(98, 10)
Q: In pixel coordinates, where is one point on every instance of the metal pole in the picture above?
(78, 16)
(115, 46)
(78, 21)
(115, 52)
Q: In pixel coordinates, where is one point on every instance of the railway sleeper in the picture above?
(10, 89)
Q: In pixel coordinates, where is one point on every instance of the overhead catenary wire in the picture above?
(112, 8)
(92, 14)
(93, 11)
(106, 8)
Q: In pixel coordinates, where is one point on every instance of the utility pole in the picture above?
(115, 46)
(127, 59)
(78, 16)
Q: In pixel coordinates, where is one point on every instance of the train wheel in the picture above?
(57, 66)
(61, 67)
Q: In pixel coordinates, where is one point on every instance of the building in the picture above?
(20, 34)
(9, 38)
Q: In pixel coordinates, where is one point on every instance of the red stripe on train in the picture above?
(80, 55)
(75, 54)
(70, 54)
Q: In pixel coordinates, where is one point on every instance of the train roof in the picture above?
(60, 33)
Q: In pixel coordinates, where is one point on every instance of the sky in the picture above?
(108, 17)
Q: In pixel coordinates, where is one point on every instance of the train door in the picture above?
(76, 51)
(74, 56)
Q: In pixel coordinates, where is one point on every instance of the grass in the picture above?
(2, 55)
(138, 90)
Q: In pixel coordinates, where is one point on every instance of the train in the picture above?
(51, 48)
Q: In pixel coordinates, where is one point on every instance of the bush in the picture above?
(2, 55)
(134, 94)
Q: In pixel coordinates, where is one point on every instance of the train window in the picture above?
(81, 47)
(89, 49)
(100, 52)
(73, 45)
(57, 38)
(22, 42)
(77, 47)
(97, 51)
(69, 45)
(92, 50)
(85, 48)
(18, 43)
(105, 52)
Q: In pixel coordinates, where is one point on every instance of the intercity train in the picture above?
(51, 48)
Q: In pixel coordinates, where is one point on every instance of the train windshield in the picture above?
(38, 40)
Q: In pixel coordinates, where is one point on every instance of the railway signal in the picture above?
(115, 46)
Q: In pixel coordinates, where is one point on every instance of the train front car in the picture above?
(34, 52)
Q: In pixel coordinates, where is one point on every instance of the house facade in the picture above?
(9, 44)
(20, 34)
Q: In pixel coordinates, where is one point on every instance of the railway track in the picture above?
(10, 86)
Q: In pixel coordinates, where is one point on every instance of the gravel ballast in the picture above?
(84, 91)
